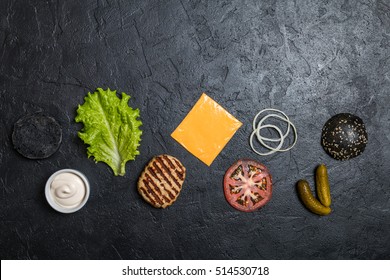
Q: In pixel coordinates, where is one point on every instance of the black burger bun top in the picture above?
(344, 136)
(36, 136)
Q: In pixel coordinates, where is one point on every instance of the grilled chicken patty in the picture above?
(161, 181)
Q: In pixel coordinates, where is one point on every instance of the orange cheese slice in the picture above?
(206, 129)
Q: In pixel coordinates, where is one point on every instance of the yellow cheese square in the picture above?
(206, 129)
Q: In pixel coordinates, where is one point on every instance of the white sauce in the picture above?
(68, 190)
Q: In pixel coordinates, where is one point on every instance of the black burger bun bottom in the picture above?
(36, 136)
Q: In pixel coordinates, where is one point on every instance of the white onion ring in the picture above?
(270, 152)
(282, 136)
(259, 127)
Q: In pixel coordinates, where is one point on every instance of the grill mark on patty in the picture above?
(182, 169)
(176, 166)
(169, 161)
(156, 187)
(149, 180)
(147, 196)
(161, 173)
(153, 173)
(165, 177)
(161, 181)
(179, 175)
(163, 186)
(150, 191)
(166, 168)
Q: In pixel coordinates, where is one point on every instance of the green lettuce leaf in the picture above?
(111, 128)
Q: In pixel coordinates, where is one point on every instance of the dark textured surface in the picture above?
(312, 59)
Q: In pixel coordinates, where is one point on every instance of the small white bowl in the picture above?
(51, 200)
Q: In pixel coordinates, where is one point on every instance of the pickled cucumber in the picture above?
(322, 185)
(309, 200)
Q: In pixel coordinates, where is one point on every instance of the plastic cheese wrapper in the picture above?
(206, 129)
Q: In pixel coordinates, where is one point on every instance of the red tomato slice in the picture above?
(247, 185)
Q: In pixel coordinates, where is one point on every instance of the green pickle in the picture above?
(309, 200)
(322, 185)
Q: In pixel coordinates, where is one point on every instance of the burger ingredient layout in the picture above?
(111, 128)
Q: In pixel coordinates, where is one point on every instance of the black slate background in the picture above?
(312, 59)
